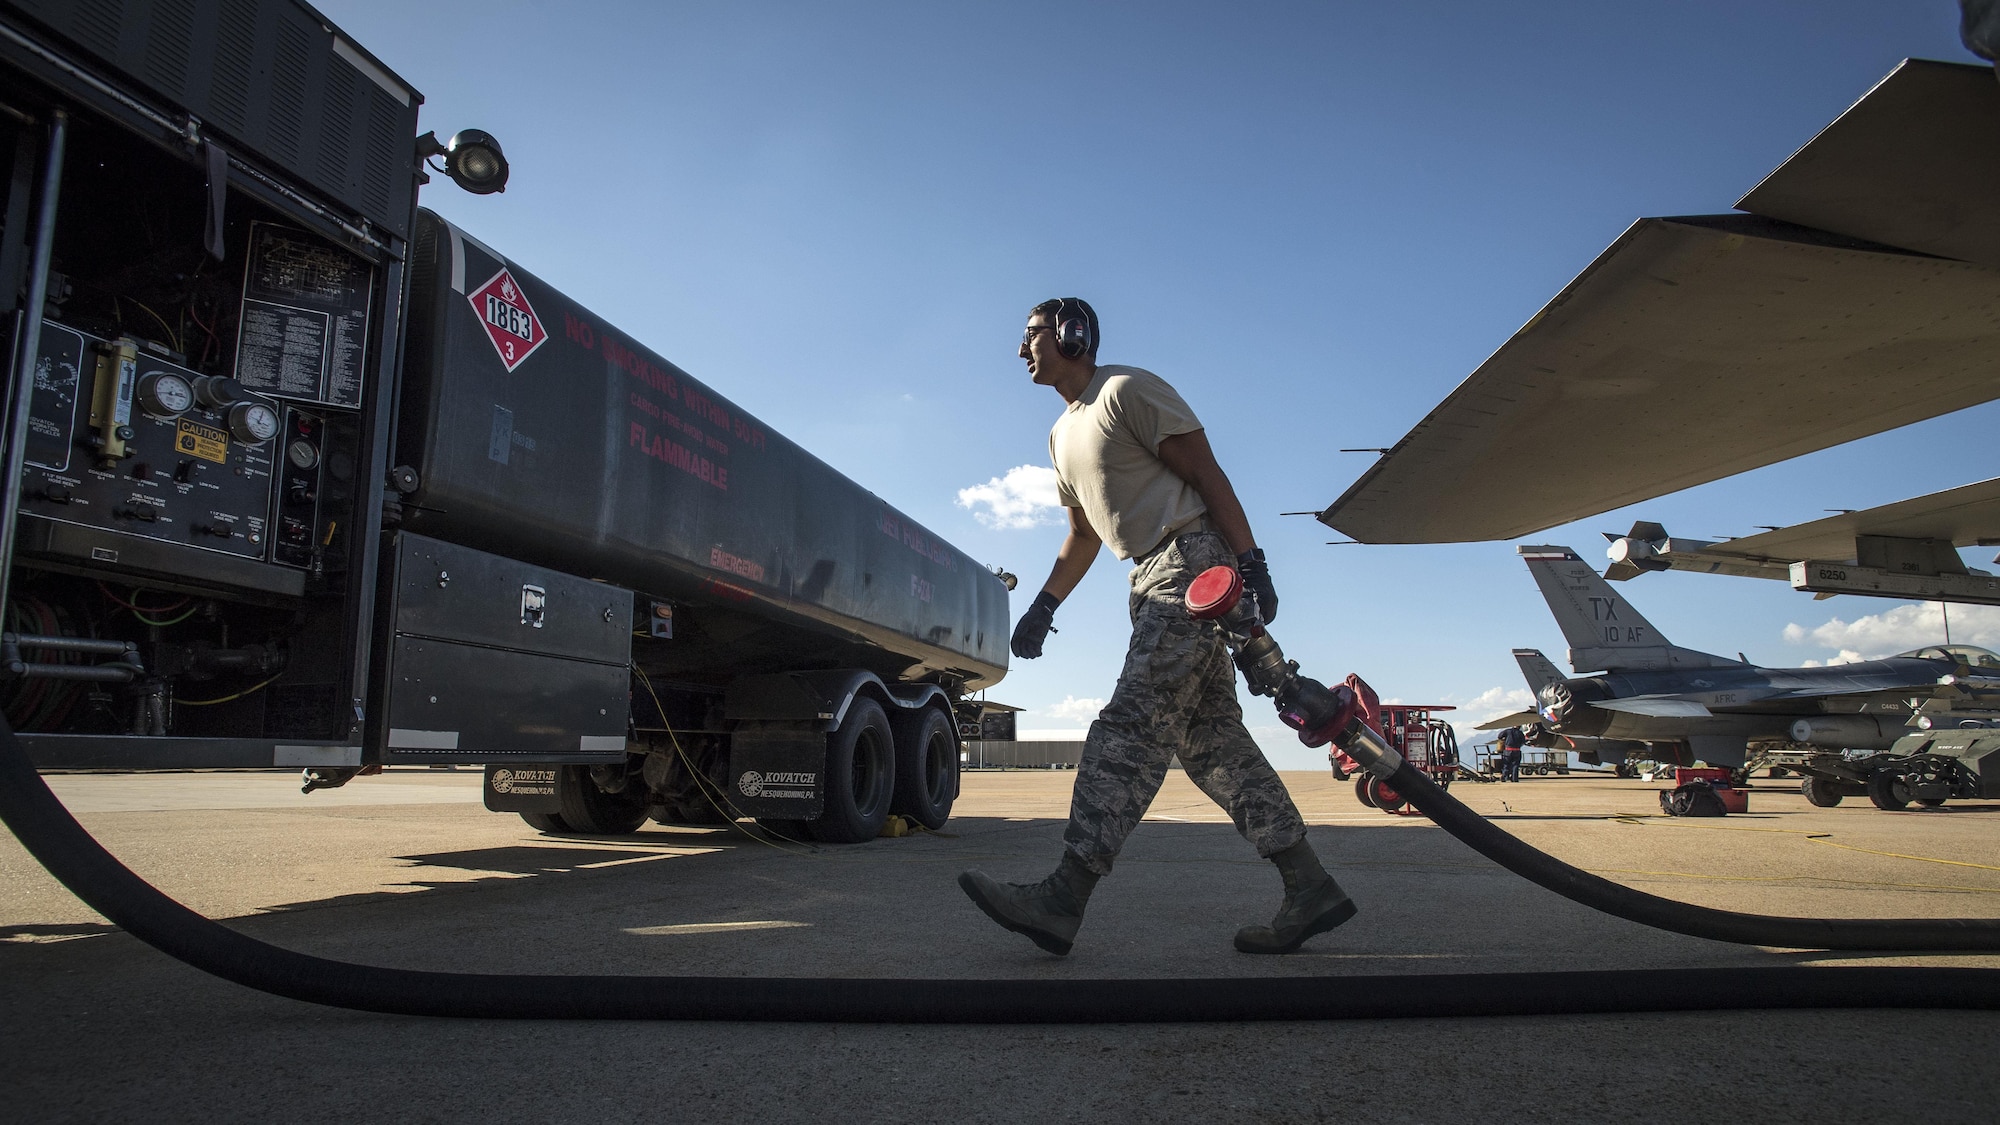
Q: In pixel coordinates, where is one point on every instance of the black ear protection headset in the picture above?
(1076, 327)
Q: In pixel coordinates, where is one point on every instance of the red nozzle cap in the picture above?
(1214, 592)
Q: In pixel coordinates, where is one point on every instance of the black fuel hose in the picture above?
(55, 838)
(1598, 893)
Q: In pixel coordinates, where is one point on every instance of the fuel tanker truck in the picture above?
(302, 475)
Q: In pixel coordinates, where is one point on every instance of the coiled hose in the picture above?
(54, 837)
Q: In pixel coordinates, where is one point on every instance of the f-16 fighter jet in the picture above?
(1640, 694)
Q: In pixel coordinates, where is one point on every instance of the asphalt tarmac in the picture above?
(407, 869)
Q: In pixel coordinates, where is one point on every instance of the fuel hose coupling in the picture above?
(1340, 714)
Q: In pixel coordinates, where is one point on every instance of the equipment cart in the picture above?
(1425, 742)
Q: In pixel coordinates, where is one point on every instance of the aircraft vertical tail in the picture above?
(1604, 631)
(1537, 669)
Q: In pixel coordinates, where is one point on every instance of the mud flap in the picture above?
(777, 770)
(517, 787)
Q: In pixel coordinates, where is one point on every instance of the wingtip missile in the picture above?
(1632, 555)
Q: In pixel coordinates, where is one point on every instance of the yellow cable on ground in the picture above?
(1899, 855)
(1813, 837)
(719, 800)
(1794, 879)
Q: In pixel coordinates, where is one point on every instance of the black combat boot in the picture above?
(1048, 912)
(1313, 904)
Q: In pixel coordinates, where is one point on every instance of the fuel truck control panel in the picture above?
(124, 440)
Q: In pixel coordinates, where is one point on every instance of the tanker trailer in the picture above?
(796, 645)
(239, 531)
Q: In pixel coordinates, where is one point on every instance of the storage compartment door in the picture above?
(452, 703)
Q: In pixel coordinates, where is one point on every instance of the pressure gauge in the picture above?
(164, 394)
(253, 422)
(302, 454)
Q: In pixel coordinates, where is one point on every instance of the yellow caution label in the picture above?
(205, 442)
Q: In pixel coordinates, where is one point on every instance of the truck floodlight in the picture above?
(472, 158)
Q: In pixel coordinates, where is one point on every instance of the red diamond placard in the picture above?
(509, 320)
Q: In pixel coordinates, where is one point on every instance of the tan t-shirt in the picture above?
(1106, 452)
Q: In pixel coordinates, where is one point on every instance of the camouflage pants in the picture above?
(1176, 695)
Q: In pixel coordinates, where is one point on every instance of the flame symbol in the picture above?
(507, 288)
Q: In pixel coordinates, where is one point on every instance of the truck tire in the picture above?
(1819, 792)
(545, 822)
(1361, 790)
(1888, 790)
(860, 776)
(593, 812)
(926, 768)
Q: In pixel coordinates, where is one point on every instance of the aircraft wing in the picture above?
(1961, 516)
(1912, 164)
(1655, 706)
(1699, 347)
(1831, 691)
(1826, 683)
(1966, 515)
(1518, 718)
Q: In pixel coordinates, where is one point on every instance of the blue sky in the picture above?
(1313, 219)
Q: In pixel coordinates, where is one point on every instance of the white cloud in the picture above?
(1025, 497)
(1495, 702)
(1898, 630)
(1847, 656)
(1073, 710)
(1489, 704)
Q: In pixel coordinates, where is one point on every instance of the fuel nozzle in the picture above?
(1339, 714)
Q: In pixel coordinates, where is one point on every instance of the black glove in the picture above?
(1035, 626)
(1257, 578)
